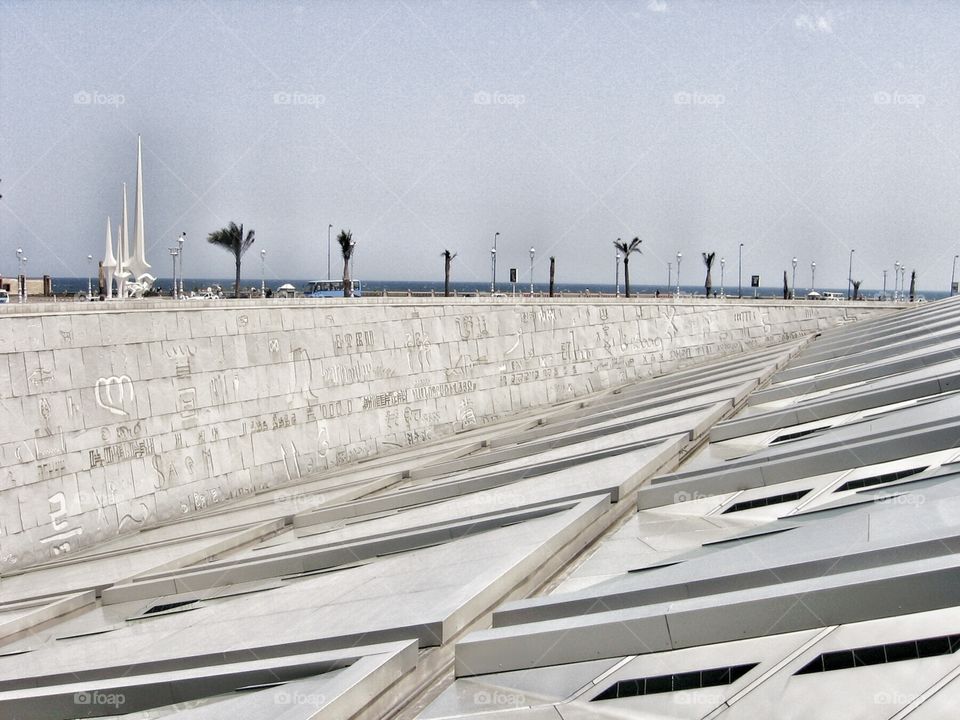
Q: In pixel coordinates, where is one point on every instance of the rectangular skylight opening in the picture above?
(764, 501)
(675, 682)
(882, 654)
(880, 479)
(797, 435)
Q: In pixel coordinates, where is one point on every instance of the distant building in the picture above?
(35, 286)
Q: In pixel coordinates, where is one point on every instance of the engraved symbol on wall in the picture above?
(110, 392)
(323, 440)
(59, 541)
(135, 518)
(419, 346)
(73, 407)
(181, 354)
(39, 377)
(220, 389)
(187, 400)
(302, 373)
(517, 343)
(44, 407)
(465, 414)
(470, 327)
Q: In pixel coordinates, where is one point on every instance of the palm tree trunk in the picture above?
(626, 274)
(236, 283)
(553, 268)
(708, 285)
(346, 277)
(446, 276)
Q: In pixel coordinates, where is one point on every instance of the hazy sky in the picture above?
(797, 128)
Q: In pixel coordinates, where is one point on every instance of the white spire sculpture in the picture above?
(109, 262)
(123, 250)
(138, 265)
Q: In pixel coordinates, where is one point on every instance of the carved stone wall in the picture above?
(118, 416)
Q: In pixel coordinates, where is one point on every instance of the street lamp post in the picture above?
(173, 256)
(740, 272)
(669, 275)
(793, 293)
(263, 274)
(850, 276)
(679, 258)
(532, 253)
(896, 281)
(329, 228)
(618, 273)
(22, 280)
(723, 292)
(813, 277)
(884, 296)
(953, 274)
(180, 241)
(89, 282)
(493, 258)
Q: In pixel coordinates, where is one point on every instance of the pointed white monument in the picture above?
(109, 262)
(138, 265)
(123, 251)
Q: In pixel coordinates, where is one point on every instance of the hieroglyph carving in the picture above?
(110, 393)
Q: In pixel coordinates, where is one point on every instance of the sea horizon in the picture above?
(71, 285)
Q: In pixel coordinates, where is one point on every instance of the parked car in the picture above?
(4, 297)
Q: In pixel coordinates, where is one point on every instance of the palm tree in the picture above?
(708, 261)
(626, 249)
(345, 238)
(856, 288)
(553, 272)
(447, 259)
(231, 238)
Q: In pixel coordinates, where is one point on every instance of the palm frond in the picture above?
(345, 240)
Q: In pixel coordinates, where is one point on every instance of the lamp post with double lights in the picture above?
(679, 258)
(22, 280)
(180, 241)
(793, 293)
(263, 274)
(723, 291)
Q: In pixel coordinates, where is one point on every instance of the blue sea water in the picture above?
(70, 286)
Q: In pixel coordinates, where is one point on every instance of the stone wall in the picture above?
(112, 417)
